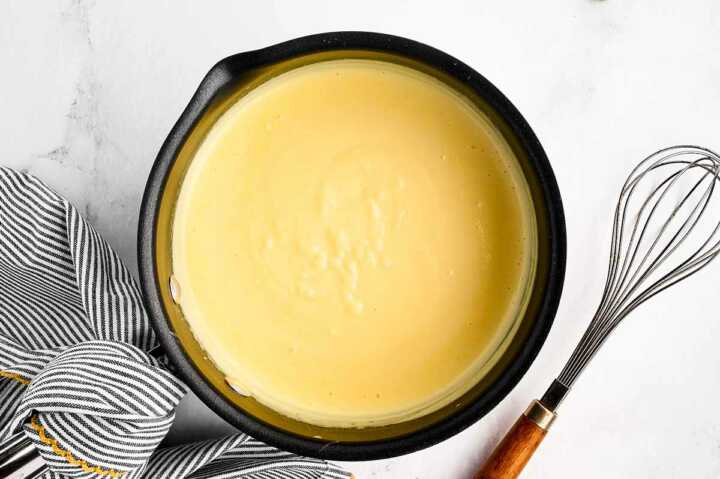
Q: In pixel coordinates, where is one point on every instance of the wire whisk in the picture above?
(664, 242)
(666, 227)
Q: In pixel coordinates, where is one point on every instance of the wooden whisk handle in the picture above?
(517, 447)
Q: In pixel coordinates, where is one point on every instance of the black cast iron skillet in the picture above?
(233, 77)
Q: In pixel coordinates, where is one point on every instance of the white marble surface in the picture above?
(88, 91)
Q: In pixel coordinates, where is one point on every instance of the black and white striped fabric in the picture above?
(75, 376)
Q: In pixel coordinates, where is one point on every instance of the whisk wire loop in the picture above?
(666, 228)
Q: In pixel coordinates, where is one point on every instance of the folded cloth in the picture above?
(75, 375)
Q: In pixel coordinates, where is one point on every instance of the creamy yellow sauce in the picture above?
(352, 243)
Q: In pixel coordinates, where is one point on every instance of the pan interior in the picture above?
(492, 367)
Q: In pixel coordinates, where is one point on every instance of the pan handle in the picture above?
(19, 459)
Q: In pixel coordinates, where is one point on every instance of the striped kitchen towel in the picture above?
(75, 375)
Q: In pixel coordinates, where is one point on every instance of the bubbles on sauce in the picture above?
(339, 257)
